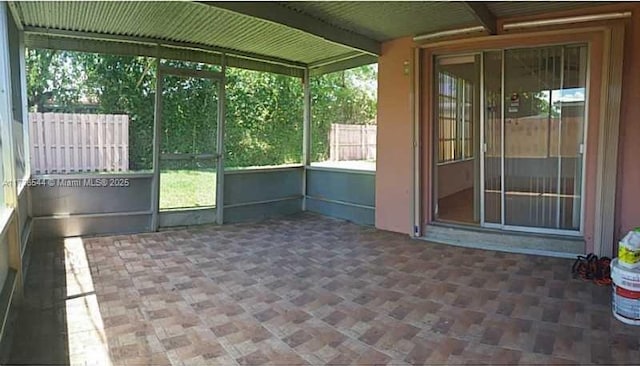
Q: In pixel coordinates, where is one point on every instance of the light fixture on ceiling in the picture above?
(567, 20)
(448, 33)
(526, 25)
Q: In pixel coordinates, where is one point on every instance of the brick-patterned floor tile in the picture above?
(254, 358)
(308, 290)
(420, 352)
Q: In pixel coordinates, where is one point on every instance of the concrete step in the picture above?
(548, 245)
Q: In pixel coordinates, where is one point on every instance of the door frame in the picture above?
(479, 55)
(435, 131)
(606, 45)
(188, 216)
(529, 229)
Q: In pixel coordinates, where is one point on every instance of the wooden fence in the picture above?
(536, 137)
(66, 142)
(352, 142)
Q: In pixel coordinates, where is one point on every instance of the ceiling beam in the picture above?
(334, 59)
(155, 41)
(282, 15)
(345, 64)
(482, 13)
(15, 13)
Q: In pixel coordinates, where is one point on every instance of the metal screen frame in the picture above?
(188, 216)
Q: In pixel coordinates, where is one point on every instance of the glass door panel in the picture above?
(569, 137)
(188, 155)
(544, 105)
(509, 138)
(492, 177)
(457, 116)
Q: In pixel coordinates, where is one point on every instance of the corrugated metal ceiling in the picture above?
(385, 20)
(503, 9)
(208, 25)
(181, 22)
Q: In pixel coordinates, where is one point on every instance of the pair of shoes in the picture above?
(592, 268)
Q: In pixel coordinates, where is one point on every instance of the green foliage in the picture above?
(264, 119)
(264, 112)
(346, 97)
(125, 85)
(51, 79)
(189, 125)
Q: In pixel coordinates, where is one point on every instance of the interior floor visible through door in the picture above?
(457, 207)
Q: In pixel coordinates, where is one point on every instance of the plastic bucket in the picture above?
(625, 277)
(625, 300)
(629, 249)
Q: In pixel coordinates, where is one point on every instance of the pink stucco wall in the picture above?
(394, 170)
(393, 165)
(628, 200)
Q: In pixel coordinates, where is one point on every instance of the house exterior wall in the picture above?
(394, 170)
(628, 190)
(393, 165)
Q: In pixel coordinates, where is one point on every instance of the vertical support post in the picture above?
(157, 136)
(474, 129)
(8, 160)
(220, 143)
(432, 133)
(462, 90)
(502, 143)
(25, 105)
(7, 115)
(608, 137)
(306, 134)
(26, 150)
(481, 131)
(416, 202)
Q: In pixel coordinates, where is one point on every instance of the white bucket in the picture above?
(625, 300)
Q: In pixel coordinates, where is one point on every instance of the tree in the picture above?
(124, 85)
(345, 97)
(263, 110)
(51, 79)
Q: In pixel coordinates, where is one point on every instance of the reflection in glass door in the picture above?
(544, 115)
(492, 137)
(533, 141)
(509, 138)
(457, 116)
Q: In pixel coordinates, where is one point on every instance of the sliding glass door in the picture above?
(531, 119)
(457, 130)
(534, 129)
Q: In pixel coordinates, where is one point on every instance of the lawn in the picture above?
(187, 188)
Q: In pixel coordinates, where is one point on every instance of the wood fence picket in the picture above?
(72, 142)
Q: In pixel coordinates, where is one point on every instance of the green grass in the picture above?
(187, 188)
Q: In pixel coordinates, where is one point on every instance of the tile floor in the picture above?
(307, 290)
(457, 207)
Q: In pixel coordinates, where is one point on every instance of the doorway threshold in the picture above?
(512, 242)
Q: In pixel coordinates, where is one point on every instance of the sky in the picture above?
(565, 95)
